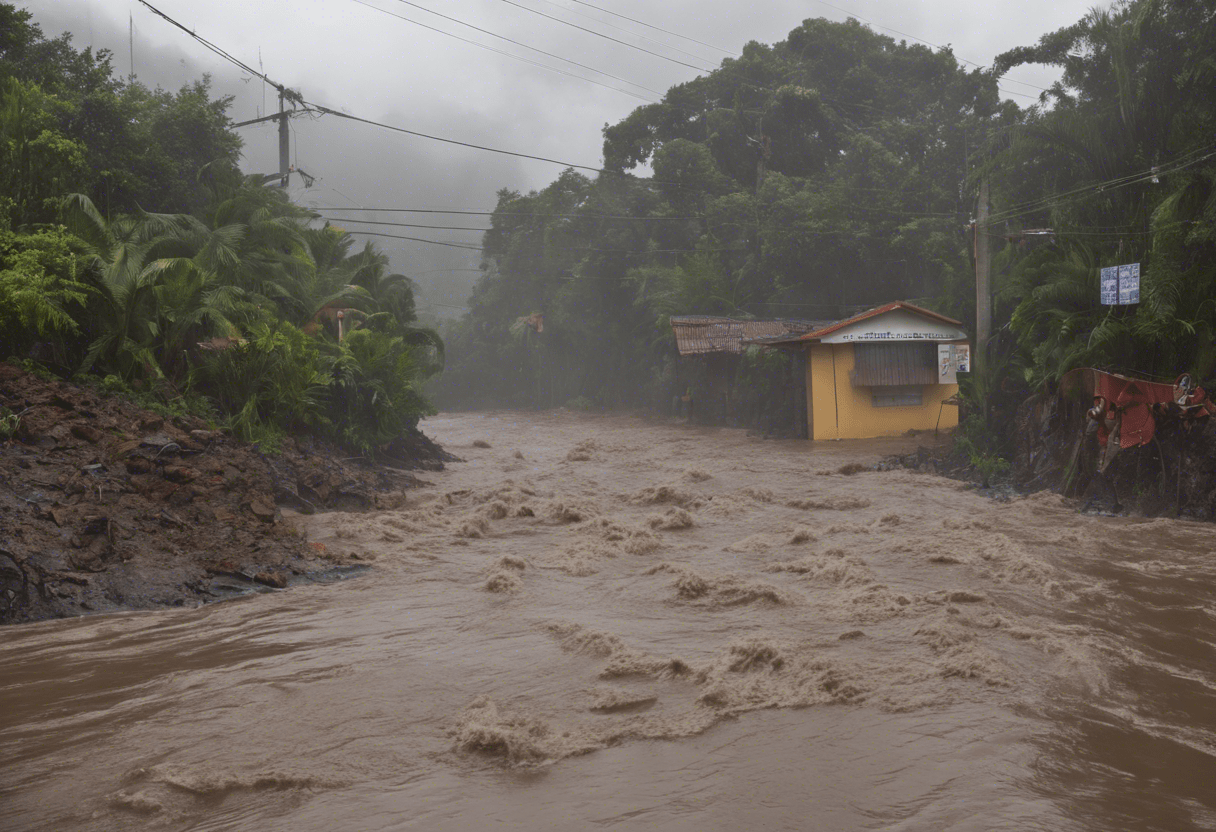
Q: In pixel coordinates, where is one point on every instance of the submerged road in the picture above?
(599, 622)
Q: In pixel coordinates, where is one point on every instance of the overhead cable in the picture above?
(405, 224)
(656, 28)
(416, 240)
(338, 114)
(629, 31)
(1187, 160)
(521, 58)
(503, 213)
(508, 40)
(348, 116)
(216, 49)
(607, 37)
(558, 248)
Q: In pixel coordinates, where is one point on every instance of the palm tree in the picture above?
(125, 271)
(363, 280)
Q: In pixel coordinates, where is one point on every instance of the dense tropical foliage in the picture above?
(839, 169)
(134, 252)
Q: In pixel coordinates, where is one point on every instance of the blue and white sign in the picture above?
(1110, 286)
(1121, 285)
(1129, 284)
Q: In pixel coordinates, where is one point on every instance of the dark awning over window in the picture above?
(886, 364)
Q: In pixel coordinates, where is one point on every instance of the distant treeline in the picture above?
(839, 168)
(134, 254)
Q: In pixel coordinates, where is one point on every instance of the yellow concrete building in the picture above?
(882, 373)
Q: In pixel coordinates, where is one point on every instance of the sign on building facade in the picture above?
(952, 359)
(897, 325)
(1121, 285)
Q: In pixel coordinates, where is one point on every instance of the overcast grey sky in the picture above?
(345, 55)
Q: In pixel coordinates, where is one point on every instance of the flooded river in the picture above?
(597, 622)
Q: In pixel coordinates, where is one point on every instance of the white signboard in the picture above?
(896, 325)
(947, 372)
(1121, 285)
(952, 359)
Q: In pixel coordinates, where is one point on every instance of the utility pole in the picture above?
(282, 117)
(284, 139)
(983, 289)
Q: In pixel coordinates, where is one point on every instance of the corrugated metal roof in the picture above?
(703, 334)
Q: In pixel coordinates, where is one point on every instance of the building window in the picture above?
(906, 395)
(893, 365)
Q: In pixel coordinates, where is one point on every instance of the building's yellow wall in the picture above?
(838, 410)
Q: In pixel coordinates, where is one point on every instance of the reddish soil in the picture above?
(106, 506)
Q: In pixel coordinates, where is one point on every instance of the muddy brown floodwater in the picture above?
(596, 622)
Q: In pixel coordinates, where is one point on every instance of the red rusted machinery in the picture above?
(1125, 411)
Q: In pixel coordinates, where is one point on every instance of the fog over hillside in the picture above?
(348, 56)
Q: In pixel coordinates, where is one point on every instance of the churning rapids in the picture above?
(600, 622)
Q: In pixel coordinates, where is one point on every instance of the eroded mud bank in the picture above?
(107, 506)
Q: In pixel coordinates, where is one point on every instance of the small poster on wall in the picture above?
(962, 354)
(945, 364)
(952, 359)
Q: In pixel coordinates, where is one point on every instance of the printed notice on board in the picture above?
(952, 359)
(1120, 285)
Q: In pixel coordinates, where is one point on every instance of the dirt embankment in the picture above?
(1174, 474)
(105, 505)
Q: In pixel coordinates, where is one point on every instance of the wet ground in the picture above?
(596, 622)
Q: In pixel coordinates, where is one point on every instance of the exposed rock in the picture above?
(264, 510)
(87, 433)
(180, 473)
(272, 579)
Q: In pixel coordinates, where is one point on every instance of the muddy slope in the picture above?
(106, 506)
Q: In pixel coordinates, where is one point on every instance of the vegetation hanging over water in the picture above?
(133, 251)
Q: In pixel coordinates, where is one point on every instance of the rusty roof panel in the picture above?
(703, 334)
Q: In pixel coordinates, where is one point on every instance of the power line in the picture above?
(328, 111)
(590, 216)
(337, 114)
(508, 214)
(627, 31)
(313, 107)
(405, 225)
(508, 40)
(656, 28)
(217, 50)
(607, 37)
(1033, 206)
(558, 248)
(416, 240)
(513, 56)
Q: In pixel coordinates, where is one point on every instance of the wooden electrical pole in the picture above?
(281, 117)
(983, 288)
(284, 139)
